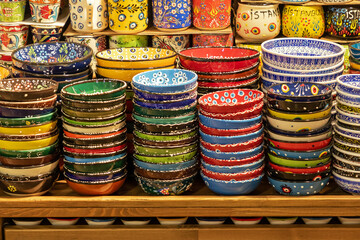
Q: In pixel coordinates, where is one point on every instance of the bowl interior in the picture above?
(135, 54)
(219, 53)
(299, 89)
(26, 85)
(233, 97)
(94, 87)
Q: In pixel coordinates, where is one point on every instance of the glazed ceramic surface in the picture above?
(282, 221)
(13, 36)
(4, 72)
(303, 21)
(213, 139)
(62, 221)
(27, 222)
(349, 83)
(348, 184)
(229, 124)
(44, 12)
(130, 16)
(296, 163)
(100, 221)
(86, 17)
(315, 54)
(216, 40)
(211, 15)
(231, 155)
(233, 169)
(166, 167)
(342, 21)
(173, 42)
(119, 41)
(172, 220)
(171, 15)
(12, 11)
(299, 116)
(258, 22)
(310, 154)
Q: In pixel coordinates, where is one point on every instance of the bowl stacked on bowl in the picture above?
(354, 58)
(165, 131)
(301, 60)
(231, 132)
(28, 136)
(300, 137)
(63, 62)
(222, 68)
(346, 154)
(94, 135)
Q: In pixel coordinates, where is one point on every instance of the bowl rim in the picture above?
(38, 75)
(347, 104)
(298, 173)
(167, 94)
(328, 127)
(339, 81)
(336, 175)
(301, 160)
(47, 64)
(120, 158)
(329, 91)
(139, 69)
(344, 169)
(245, 120)
(195, 159)
(250, 134)
(340, 92)
(298, 75)
(233, 181)
(307, 151)
(337, 126)
(167, 171)
(54, 85)
(88, 174)
(270, 139)
(32, 101)
(255, 65)
(137, 60)
(165, 180)
(356, 116)
(122, 177)
(299, 120)
(260, 160)
(329, 108)
(324, 167)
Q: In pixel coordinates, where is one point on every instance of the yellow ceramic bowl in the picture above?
(4, 72)
(47, 127)
(300, 116)
(138, 57)
(28, 144)
(123, 73)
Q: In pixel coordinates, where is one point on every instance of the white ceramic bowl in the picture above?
(100, 221)
(210, 221)
(316, 220)
(282, 220)
(172, 220)
(29, 171)
(309, 138)
(349, 220)
(27, 221)
(135, 221)
(246, 221)
(299, 125)
(63, 221)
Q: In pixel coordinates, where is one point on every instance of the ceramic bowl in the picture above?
(232, 187)
(135, 57)
(346, 146)
(185, 139)
(28, 144)
(165, 187)
(344, 171)
(237, 163)
(354, 63)
(348, 184)
(298, 163)
(218, 59)
(166, 167)
(230, 132)
(106, 187)
(348, 118)
(290, 106)
(94, 141)
(53, 57)
(44, 103)
(273, 173)
(299, 170)
(347, 107)
(172, 120)
(349, 83)
(172, 220)
(315, 53)
(93, 104)
(231, 155)
(233, 100)
(83, 158)
(28, 186)
(166, 137)
(267, 83)
(304, 155)
(236, 147)
(28, 129)
(30, 153)
(29, 171)
(354, 49)
(343, 154)
(246, 220)
(28, 161)
(164, 151)
(165, 104)
(165, 128)
(347, 97)
(233, 169)
(26, 89)
(281, 220)
(298, 125)
(27, 221)
(299, 115)
(303, 92)
(95, 129)
(100, 221)
(13, 112)
(166, 159)
(349, 220)
(210, 220)
(135, 221)
(166, 113)
(96, 148)
(298, 188)
(240, 176)
(345, 163)
(300, 146)
(228, 84)
(62, 221)
(229, 124)
(290, 137)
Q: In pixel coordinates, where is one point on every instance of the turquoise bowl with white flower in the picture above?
(165, 80)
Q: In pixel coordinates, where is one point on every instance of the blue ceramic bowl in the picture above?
(94, 177)
(231, 155)
(304, 155)
(163, 96)
(165, 167)
(302, 53)
(232, 187)
(233, 169)
(230, 139)
(12, 112)
(53, 57)
(299, 188)
(347, 97)
(166, 104)
(165, 81)
(267, 82)
(89, 160)
(288, 77)
(300, 91)
(349, 83)
(348, 184)
(349, 118)
(228, 124)
(354, 49)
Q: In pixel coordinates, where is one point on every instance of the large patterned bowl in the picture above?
(53, 57)
(302, 53)
(348, 184)
(349, 83)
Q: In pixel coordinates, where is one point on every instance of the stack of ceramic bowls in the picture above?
(354, 58)
(300, 137)
(29, 153)
(222, 68)
(346, 154)
(166, 130)
(231, 140)
(301, 60)
(94, 135)
(63, 62)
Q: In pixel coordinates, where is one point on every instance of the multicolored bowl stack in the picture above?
(94, 125)
(299, 133)
(231, 142)
(29, 153)
(288, 60)
(346, 153)
(222, 68)
(166, 130)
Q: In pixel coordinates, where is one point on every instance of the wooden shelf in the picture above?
(131, 201)
(149, 31)
(310, 3)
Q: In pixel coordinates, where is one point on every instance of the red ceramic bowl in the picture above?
(218, 59)
(233, 176)
(248, 113)
(92, 136)
(300, 170)
(300, 146)
(231, 101)
(227, 84)
(221, 162)
(104, 188)
(244, 146)
(229, 132)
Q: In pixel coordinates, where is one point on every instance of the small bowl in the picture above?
(27, 221)
(236, 147)
(304, 155)
(349, 220)
(29, 130)
(345, 172)
(300, 146)
(210, 220)
(298, 125)
(63, 221)
(135, 221)
(96, 129)
(166, 167)
(234, 163)
(349, 83)
(167, 159)
(29, 144)
(230, 132)
(164, 151)
(231, 155)
(13, 112)
(29, 171)
(347, 97)
(165, 128)
(291, 106)
(240, 176)
(316, 220)
(165, 104)
(229, 124)
(233, 169)
(96, 176)
(299, 170)
(170, 137)
(348, 184)
(291, 162)
(166, 113)
(100, 221)
(281, 220)
(172, 220)
(28, 161)
(93, 104)
(299, 115)
(346, 146)
(348, 118)
(232, 187)
(246, 220)
(94, 158)
(29, 121)
(271, 172)
(96, 148)
(165, 120)
(298, 188)
(30, 153)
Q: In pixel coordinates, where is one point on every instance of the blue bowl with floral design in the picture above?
(302, 53)
(53, 57)
(165, 80)
(166, 104)
(233, 169)
(232, 187)
(303, 155)
(349, 83)
(165, 167)
(163, 96)
(267, 82)
(231, 155)
(298, 188)
(354, 49)
(347, 97)
(229, 124)
(348, 184)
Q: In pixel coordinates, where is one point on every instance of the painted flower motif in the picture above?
(222, 17)
(46, 12)
(166, 7)
(173, 4)
(286, 189)
(222, 6)
(52, 60)
(203, 18)
(182, 11)
(132, 25)
(179, 5)
(5, 40)
(202, 5)
(173, 11)
(12, 188)
(164, 191)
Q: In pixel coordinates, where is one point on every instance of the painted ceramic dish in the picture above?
(210, 220)
(166, 175)
(282, 220)
(165, 105)
(30, 153)
(348, 184)
(229, 124)
(172, 220)
(241, 176)
(298, 125)
(100, 221)
(299, 115)
(235, 163)
(135, 221)
(214, 139)
(291, 106)
(297, 176)
(349, 83)
(286, 136)
(297, 170)
(29, 171)
(231, 155)
(166, 159)
(230, 132)
(237, 147)
(28, 161)
(175, 112)
(62, 221)
(27, 221)
(165, 128)
(164, 151)
(298, 163)
(349, 220)
(304, 155)
(246, 220)
(158, 167)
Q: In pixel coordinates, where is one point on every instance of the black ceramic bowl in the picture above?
(342, 21)
(165, 128)
(94, 141)
(291, 106)
(297, 176)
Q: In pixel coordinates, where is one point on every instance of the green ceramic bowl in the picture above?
(289, 162)
(165, 120)
(166, 138)
(167, 159)
(93, 104)
(66, 118)
(94, 113)
(30, 121)
(96, 167)
(164, 112)
(95, 89)
(30, 153)
(164, 151)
